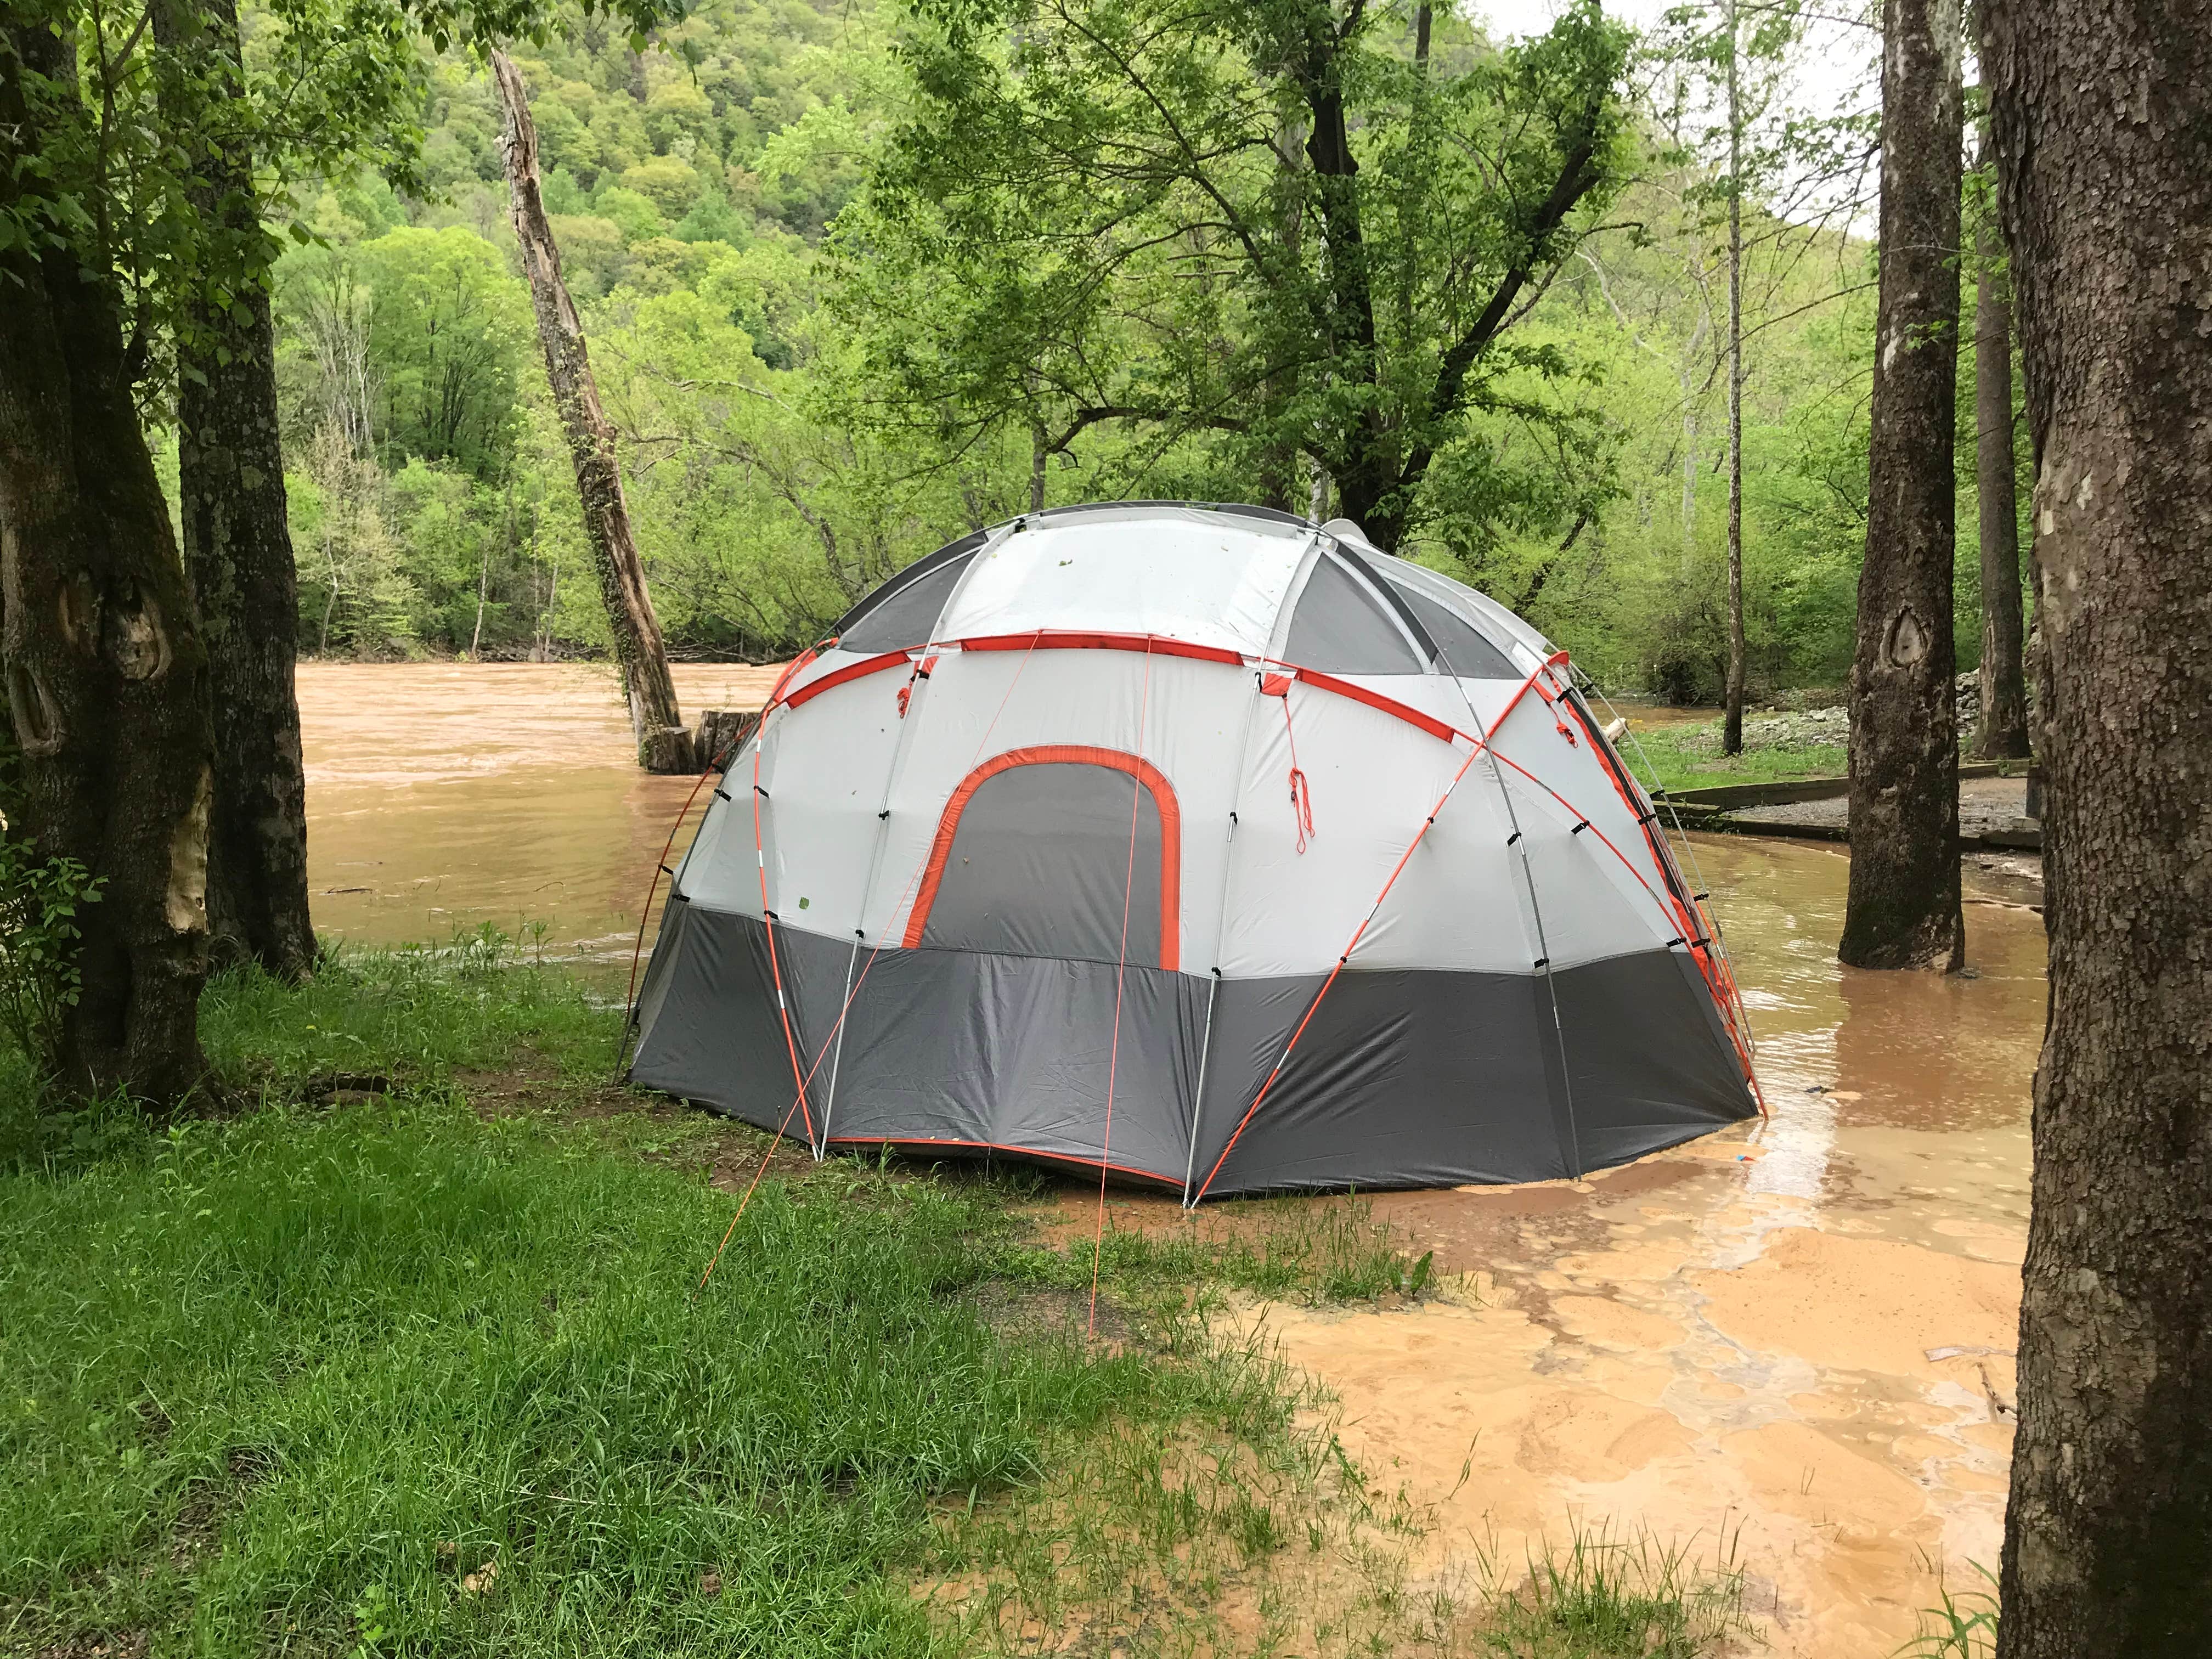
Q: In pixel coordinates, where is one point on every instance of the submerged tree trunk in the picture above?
(2004, 732)
(663, 742)
(1732, 713)
(238, 537)
(2102, 123)
(1903, 910)
(105, 673)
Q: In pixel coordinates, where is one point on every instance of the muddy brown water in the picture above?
(442, 796)
(1790, 1343)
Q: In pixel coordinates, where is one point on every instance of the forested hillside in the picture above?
(844, 304)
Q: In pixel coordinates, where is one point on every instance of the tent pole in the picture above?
(1573, 1148)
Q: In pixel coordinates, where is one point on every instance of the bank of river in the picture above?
(1795, 1337)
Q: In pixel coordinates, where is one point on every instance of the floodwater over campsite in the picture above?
(1792, 1341)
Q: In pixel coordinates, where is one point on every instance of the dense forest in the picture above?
(827, 347)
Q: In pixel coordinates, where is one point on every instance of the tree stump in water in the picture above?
(666, 750)
(722, 733)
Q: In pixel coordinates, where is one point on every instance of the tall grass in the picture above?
(1600, 1597)
(1965, 1625)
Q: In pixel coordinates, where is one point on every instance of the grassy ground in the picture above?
(1688, 756)
(398, 1350)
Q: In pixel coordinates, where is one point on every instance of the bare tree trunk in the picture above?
(106, 677)
(238, 537)
(1903, 909)
(663, 742)
(2102, 126)
(1732, 713)
(2003, 734)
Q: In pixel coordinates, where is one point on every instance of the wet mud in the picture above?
(1789, 1345)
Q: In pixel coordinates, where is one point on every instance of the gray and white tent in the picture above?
(1204, 845)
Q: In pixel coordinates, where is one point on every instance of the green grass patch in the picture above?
(1599, 1597)
(405, 1374)
(291, 1381)
(1963, 1626)
(1688, 756)
(419, 1013)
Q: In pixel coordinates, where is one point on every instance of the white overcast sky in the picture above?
(1832, 71)
(1829, 72)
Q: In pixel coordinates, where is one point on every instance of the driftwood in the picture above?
(722, 732)
(664, 744)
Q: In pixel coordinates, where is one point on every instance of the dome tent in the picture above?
(1203, 844)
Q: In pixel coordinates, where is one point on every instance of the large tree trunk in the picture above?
(663, 743)
(2102, 123)
(1903, 910)
(1732, 711)
(238, 539)
(2003, 734)
(106, 677)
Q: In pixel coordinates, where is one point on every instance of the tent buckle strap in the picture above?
(1579, 828)
(724, 794)
(1543, 962)
(1511, 838)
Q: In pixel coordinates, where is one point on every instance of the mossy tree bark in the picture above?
(237, 537)
(106, 677)
(663, 743)
(2102, 125)
(1903, 909)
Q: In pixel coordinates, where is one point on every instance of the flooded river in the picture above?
(442, 796)
(1795, 1337)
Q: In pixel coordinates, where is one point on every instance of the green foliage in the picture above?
(449, 329)
(1116, 221)
(39, 898)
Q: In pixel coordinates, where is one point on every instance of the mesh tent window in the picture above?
(1034, 856)
(1341, 627)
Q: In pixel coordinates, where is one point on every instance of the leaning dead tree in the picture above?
(663, 743)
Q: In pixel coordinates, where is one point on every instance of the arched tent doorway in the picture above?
(1058, 850)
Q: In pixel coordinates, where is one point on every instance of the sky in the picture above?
(1829, 74)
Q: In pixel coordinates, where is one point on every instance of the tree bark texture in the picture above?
(663, 742)
(1732, 711)
(106, 675)
(238, 537)
(1903, 909)
(2102, 126)
(2004, 732)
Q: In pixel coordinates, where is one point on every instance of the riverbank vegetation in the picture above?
(800, 410)
(398, 1344)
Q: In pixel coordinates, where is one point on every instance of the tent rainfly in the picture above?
(1205, 845)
